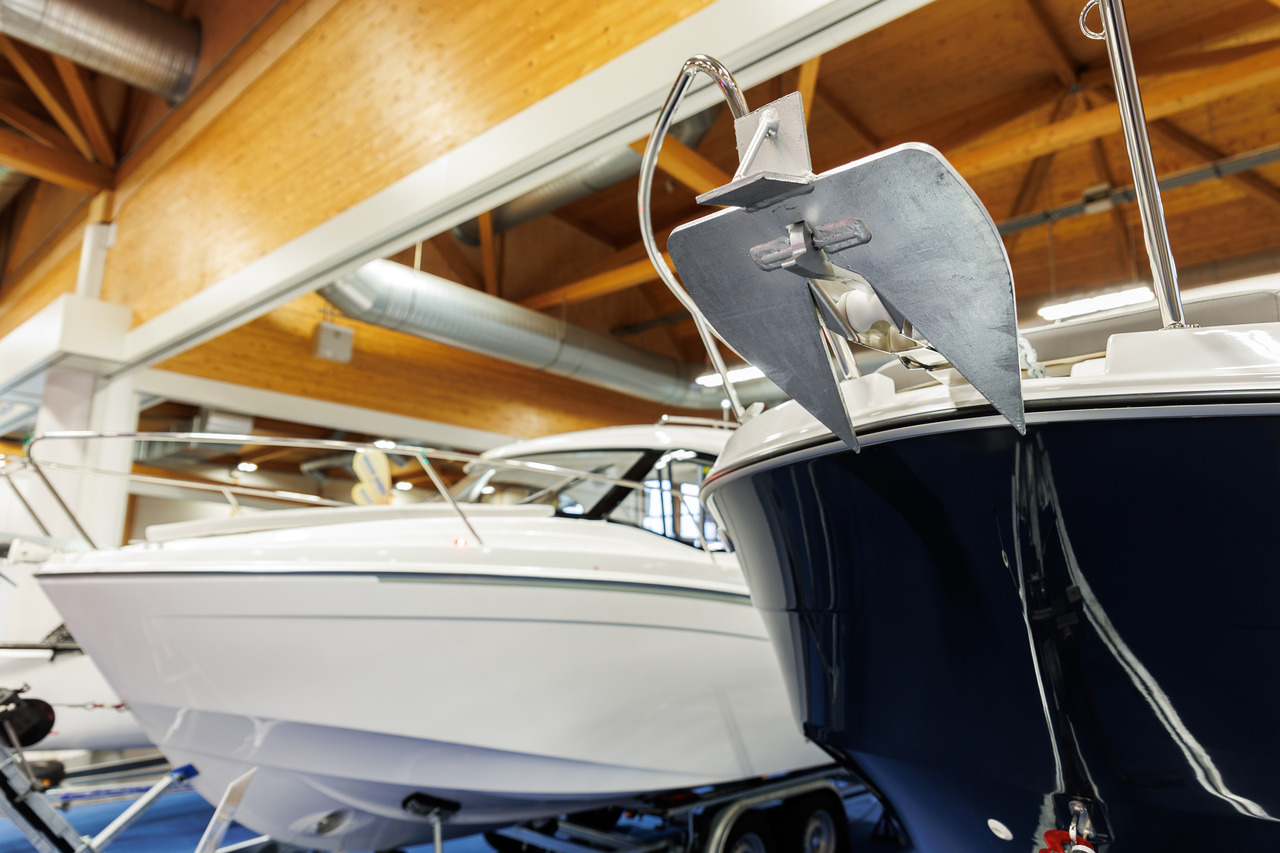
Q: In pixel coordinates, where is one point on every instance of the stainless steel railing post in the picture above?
(1133, 119)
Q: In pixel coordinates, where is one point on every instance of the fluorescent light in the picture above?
(738, 374)
(247, 467)
(404, 486)
(384, 444)
(1093, 304)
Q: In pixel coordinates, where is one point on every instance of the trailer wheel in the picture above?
(815, 823)
(750, 834)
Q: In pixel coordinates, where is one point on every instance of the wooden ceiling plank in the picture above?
(457, 261)
(1196, 34)
(37, 128)
(615, 280)
(961, 128)
(31, 158)
(489, 250)
(1156, 66)
(1251, 182)
(1160, 101)
(1054, 49)
(1120, 225)
(808, 83)
(37, 71)
(861, 133)
(1034, 180)
(1039, 169)
(683, 164)
(1124, 240)
(85, 101)
(1174, 136)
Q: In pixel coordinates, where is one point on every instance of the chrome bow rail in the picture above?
(11, 465)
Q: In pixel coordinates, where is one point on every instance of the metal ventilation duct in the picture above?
(597, 175)
(130, 40)
(397, 297)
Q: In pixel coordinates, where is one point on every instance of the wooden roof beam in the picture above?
(457, 260)
(615, 280)
(1036, 175)
(960, 128)
(1120, 226)
(1219, 24)
(37, 128)
(807, 84)
(861, 133)
(1156, 66)
(1039, 170)
(85, 102)
(1174, 136)
(37, 70)
(1251, 182)
(490, 254)
(683, 164)
(1161, 100)
(66, 170)
(1055, 51)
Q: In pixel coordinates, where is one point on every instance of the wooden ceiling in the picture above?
(1009, 90)
(75, 132)
(1021, 103)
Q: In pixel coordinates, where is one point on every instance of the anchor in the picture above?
(893, 252)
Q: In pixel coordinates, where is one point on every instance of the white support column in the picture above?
(74, 400)
(98, 238)
(75, 397)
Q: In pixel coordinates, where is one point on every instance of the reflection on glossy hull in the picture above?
(991, 626)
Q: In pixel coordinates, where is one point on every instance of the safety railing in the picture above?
(423, 455)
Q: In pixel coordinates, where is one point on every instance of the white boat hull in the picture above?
(514, 694)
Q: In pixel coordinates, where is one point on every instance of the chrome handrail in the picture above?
(391, 448)
(648, 165)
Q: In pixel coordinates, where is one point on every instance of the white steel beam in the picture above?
(603, 111)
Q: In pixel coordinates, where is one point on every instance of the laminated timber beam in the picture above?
(1038, 172)
(681, 163)
(66, 170)
(37, 70)
(861, 134)
(807, 84)
(1064, 67)
(1160, 101)
(611, 281)
(1157, 66)
(37, 128)
(85, 102)
(1175, 137)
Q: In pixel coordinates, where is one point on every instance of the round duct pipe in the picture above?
(130, 40)
(394, 296)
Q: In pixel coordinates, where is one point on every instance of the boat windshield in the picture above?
(570, 495)
(666, 504)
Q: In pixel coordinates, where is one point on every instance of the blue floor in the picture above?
(173, 825)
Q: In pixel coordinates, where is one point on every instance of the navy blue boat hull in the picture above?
(989, 626)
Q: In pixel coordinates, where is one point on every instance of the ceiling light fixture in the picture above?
(738, 374)
(404, 486)
(247, 467)
(1101, 302)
